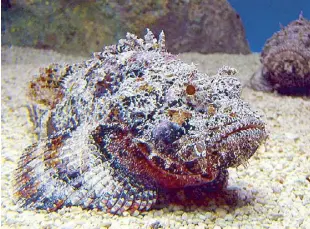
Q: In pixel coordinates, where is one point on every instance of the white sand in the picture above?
(273, 190)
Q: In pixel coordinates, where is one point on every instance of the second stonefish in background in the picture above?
(285, 61)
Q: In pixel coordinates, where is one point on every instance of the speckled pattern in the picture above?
(272, 192)
(286, 60)
(131, 127)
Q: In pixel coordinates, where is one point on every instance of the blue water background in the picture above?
(261, 18)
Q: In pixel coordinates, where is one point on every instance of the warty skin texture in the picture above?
(285, 61)
(119, 129)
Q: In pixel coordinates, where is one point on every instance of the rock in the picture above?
(83, 27)
(203, 26)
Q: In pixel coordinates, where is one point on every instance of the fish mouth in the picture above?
(236, 142)
(237, 127)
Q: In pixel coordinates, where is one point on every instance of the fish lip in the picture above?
(238, 127)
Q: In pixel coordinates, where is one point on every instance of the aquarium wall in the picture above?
(262, 18)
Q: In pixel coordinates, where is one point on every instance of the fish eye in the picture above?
(167, 132)
(190, 89)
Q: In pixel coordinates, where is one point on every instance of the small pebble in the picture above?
(184, 216)
(292, 136)
(221, 212)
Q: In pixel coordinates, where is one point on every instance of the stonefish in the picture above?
(119, 129)
(285, 61)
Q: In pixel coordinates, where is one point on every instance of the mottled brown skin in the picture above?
(286, 61)
(132, 124)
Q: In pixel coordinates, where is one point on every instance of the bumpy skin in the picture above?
(134, 121)
(286, 61)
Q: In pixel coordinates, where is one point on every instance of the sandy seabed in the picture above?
(273, 191)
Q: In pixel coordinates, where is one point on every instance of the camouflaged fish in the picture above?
(286, 61)
(118, 129)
